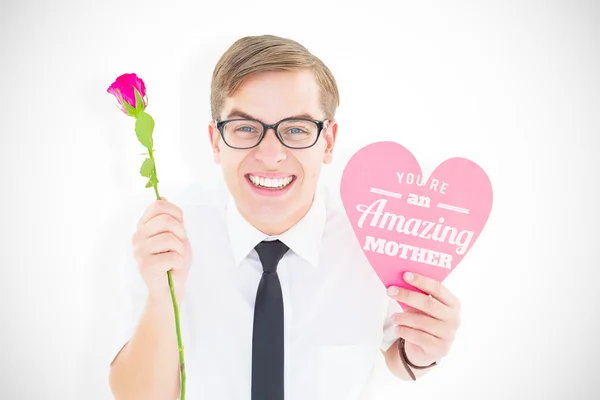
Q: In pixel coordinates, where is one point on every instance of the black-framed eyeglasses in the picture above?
(294, 133)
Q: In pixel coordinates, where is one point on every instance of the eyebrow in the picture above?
(235, 113)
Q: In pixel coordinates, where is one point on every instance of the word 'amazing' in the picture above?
(415, 227)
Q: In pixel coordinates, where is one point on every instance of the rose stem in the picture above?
(174, 298)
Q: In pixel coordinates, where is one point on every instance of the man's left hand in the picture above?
(430, 323)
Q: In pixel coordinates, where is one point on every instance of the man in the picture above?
(310, 324)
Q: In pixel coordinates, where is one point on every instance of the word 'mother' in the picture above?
(408, 252)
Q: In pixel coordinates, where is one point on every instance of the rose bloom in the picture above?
(124, 90)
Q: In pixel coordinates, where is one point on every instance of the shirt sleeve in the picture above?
(133, 294)
(133, 297)
(389, 331)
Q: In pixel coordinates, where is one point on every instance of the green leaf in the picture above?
(147, 168)
(144, 127)
(130, 110)
(139, 102)
(153, 181)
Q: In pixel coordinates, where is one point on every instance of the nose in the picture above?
(270, 151)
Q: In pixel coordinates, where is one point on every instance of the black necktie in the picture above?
(267, 339)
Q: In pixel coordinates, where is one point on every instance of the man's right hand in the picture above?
(160, 244)
(146, 367)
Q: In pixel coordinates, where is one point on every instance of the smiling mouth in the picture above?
(271, 183)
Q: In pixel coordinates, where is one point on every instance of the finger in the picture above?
(410, 309)
(166, 261)
(427, 342)
(421, 322)
(432, 287)
(159, 207)
(420, 301)
(163, 243)
(163, 223)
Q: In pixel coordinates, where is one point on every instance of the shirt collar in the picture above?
(304, 238)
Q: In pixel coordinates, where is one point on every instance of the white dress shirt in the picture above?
(336, 309)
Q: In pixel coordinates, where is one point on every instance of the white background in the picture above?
(512, 85)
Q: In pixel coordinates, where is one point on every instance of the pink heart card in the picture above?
(407, 222)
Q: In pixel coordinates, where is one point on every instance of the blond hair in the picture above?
(266, 53)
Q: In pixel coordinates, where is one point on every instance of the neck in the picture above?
(277, 227)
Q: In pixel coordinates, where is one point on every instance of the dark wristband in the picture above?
(407, 363)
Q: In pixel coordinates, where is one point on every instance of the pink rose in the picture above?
(124, 90)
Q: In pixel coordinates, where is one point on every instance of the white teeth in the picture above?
(275, 183)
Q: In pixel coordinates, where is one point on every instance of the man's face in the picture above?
(270, 97)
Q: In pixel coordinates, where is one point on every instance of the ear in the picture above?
(214, 137)
(330, 137)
